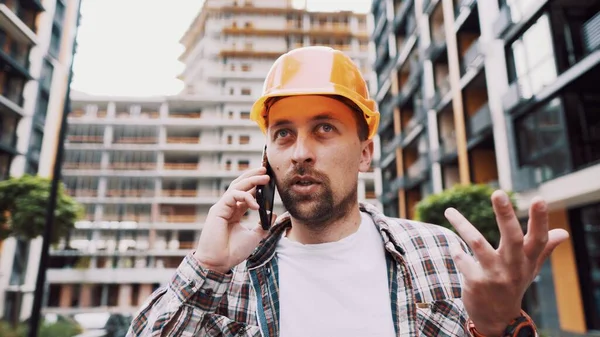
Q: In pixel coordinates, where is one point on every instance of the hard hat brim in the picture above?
(368, 107)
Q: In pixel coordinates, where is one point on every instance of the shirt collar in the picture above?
(266, 249)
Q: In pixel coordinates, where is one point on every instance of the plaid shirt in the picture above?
(424, 283)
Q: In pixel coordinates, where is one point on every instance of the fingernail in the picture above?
(503, 199)
(540, 205)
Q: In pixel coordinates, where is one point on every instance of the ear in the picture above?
(366, 155)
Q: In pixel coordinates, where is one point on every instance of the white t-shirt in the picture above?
(335, 289)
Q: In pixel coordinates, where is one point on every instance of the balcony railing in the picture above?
(191, 115)
(591, 33)
(181, 166)
(463, 5)
(129, 193)
(136, 140)
(82, 166)
(133, 166)
(480, 121)
(183, 140)
(179, 218)
(85, 139)
(126, 217)
(82, 192)
(473, 57)
(179, 193)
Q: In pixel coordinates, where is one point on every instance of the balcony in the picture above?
(136, 140)
(20, 27)
(85, 139)
(81, 166)
(417, 172)
(133, 166)
(391, 147)
(181, 166)
(183, 140)
(480, 121)
(591, 33)
(179, 218)
(86, 193)
(401, 13)
(17, 60)
(473, 58)
(442, 89)
(438, 43)
(446, 151)
(411, 84)
(179, 193)
(250, 52)
(130, 193)
(126, 217)
(463, 6)
(185, 115)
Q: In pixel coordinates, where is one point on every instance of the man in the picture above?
(332, 266)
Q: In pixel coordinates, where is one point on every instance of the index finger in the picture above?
(249, 173)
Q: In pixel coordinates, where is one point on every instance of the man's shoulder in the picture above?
(408, 227)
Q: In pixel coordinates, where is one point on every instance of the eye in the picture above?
(281, 133)
(326, 128)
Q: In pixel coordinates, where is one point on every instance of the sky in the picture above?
(130, 47)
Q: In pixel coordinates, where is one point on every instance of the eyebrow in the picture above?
(319, 117)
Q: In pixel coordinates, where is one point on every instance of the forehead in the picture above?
(299, 109)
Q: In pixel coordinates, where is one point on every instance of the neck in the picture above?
(334, 230)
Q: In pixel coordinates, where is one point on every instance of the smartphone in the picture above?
(265, 195)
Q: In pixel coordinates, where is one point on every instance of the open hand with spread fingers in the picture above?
(495, 280)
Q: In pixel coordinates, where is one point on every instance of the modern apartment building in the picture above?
(148, 169)
(37, 39)
(499, 92)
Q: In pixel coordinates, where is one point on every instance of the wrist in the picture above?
(520, 325)
(210, 266)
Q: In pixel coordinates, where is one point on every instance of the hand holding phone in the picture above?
(265, 195)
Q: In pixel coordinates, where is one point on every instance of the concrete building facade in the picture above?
(503, 93)
(37, 39)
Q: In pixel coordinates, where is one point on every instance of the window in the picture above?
(229, 139)
(55, 42)
(243, 164)
(585, 224)
(542, 142)
(46, 75)
(41, 108)
(244, 140)
(531, 62)
(246, 91)
(245, 114)
(246, 67)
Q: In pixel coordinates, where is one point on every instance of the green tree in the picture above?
(472, 201)
(59, 328)
(23, 204)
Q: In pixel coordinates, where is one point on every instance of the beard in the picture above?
(317, 210)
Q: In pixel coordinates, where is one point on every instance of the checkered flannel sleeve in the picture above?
(187, 306)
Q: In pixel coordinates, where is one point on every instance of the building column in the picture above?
(85, 297)
(145, 292)
(66, 295)
(566, 279)
(124, 300)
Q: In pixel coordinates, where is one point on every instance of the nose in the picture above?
(303, 151)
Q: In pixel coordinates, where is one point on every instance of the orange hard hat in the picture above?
(316, 70)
